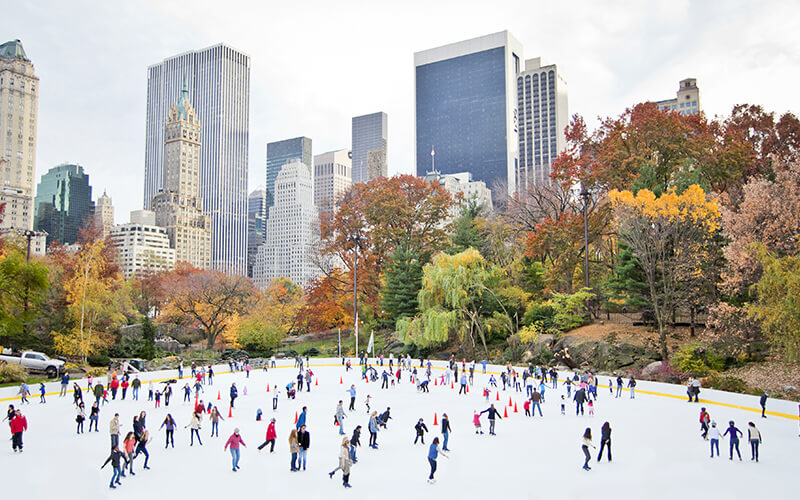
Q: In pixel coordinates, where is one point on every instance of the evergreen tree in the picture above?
(148, 350)
(465, 232)
(402, 281)
(628, 283)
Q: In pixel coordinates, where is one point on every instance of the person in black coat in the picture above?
(421, 430)
(445, 431)
(763, 402)
(384, 417)
(579, 398)
(355, 441)
(234, 393)
(605, 440)
(114, 458)
(493, 414)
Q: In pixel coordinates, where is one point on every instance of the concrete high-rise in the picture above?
(63, 203)
(280, 153)
(178, 206)
(142, 247)
(686, 101)
(370, 133)
(332, 177)
(19, 108)
(104, 214)
(292, 230)
(256, 224)
(543, 116)
(466, 109)
(219, 89)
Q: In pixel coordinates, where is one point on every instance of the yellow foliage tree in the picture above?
(673, 237)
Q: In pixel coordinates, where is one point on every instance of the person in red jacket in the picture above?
(124, 385)
(18, 425)
(114, 385)
(271, 435)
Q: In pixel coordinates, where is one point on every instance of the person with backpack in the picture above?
(421, 430)
(705, 419)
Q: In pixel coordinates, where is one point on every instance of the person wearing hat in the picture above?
(763, 402)
(271, 435)
(234, 441)
(715, 436)
(705, 418)
(734, 439)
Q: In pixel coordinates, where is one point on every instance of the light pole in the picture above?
(585, 195)
(356, 239)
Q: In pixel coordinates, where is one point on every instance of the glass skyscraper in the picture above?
(63, 203)
(370, 133)
(466, 109)
(280, 153)
(218, 79)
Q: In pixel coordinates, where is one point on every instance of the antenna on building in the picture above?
(433, 160)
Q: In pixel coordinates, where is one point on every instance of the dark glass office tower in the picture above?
(63, 203)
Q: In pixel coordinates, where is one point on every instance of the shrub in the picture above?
(570, 309)
(97, 372)
(544, 357)
(12, 373)
(539, 314)
(99, 360)
(697, 360)
(730, 384)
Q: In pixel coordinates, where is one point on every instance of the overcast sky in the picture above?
(316, 64)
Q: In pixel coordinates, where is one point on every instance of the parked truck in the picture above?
(34, 362)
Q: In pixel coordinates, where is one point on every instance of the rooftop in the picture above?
(13, 50)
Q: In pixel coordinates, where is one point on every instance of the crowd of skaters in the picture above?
(533, 381)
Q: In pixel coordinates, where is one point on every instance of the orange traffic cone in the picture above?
(515, 407)
(316, 381)
(219, 396)
(435, 381)
(295, 417)
(340, 380)
(509, 401)
(267, 387)
(467, 387)
(505, 412)
(230, 412)
(335, 422)
(452, 386)
(498, 396)
(435, 420)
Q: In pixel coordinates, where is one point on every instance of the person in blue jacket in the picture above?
(433, 454)
(493, 414)
(301, 420)
(234, 393)
(734, 439)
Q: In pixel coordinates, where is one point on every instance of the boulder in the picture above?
(789, 388)
(651, 368)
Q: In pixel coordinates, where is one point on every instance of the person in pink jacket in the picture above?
(234, 441)
(476, 421)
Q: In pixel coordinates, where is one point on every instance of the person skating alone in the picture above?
(421, 429)
(373, 430)
(445, 431)
(754, 436)
(113, 430)
(301, 420)
(355, 442)
(735, 433)
(763, 402)
(194, 425)
(234, 442)
(94, 416)
(587, 442)
(605, 440)
(705, 419)
(632, 387)
(80, 417)
(433, 454)
(270, 438)
(234, 393)
(352, 392)
(536, 402)
(493, 414)
(170, 424)
(339, 417)
(214, 417)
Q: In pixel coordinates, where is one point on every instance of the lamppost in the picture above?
(585, 195)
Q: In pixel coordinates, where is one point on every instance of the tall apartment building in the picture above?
(332, 177)
(292, 230)
(543, 116)
(256, 225)
(63, 203)
(687, 99)
(219, 88)
(466, 108)
(19, 105)
(104, 214)
(178, 206)
(370, 133)
(279, 153)
(142, 247)
(462, 184)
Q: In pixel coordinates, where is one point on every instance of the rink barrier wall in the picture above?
(35, 394)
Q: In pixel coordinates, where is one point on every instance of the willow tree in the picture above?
(457, 292)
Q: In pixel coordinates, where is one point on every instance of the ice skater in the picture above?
(339, 417)
(433, 453)
(714, 435)
(23, 393)
(80, 417)
(705, 418)
(18, 424)
(169, 423)
(632, 387)
(605, 440)
(141, 447)
(421, 429)
(734, 439)
(754, 436)
(233, 442)
(294, 448)
(234, 393)
(214, 417)
(445, 431)
(493, 414)
(352, 392)
(587, 442)
(763, 402)
(270, 438)
(115, 457)
(373, 430)
(194, 425)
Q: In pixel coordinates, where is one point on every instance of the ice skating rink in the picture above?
(657, 449)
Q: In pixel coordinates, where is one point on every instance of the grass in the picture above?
(31, 381)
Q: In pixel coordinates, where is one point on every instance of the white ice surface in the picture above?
(656, 446)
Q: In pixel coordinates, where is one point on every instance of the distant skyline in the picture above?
(92, 59)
